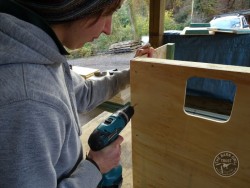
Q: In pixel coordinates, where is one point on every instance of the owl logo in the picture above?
(226, 164)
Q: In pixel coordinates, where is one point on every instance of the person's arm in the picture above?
(40, 148)
(92, 92)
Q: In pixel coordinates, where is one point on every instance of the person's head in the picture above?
(75, 21)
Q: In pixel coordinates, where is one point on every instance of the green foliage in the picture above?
(143, 24)
(131, 21)
(169, 22)
(204, 9)
(121, 31)
(183, 15)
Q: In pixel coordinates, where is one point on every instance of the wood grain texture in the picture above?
(171, 148)
(156, 22)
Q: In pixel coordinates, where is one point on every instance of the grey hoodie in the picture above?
(39, 103)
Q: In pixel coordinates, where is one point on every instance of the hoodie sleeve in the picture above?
(92, 92)
(39, 146)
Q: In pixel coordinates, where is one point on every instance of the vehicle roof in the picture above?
(225, 18)
(227, 15)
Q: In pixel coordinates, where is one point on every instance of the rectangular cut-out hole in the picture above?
(209, 98)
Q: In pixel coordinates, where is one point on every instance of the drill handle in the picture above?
(100, 139)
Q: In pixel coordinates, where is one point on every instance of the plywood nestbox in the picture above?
(173, 148)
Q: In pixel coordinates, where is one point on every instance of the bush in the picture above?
(142, 24)
(169, 22)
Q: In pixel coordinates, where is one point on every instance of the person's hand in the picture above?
(145, 50)
(108, 157)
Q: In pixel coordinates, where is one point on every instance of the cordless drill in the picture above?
(106, 133)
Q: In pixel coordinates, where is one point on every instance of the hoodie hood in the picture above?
(22, 42)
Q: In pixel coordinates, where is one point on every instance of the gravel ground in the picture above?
(105, 62)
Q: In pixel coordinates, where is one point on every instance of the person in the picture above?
(40, 97)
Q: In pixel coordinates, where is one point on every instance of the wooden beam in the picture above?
(156, 22)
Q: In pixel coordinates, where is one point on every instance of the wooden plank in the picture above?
(85, 72)
(170, 50)
(160, 52)
(123, 97)
(164, 52)
(172, 148)
(197, 31)
(232, 31)
(156, 22)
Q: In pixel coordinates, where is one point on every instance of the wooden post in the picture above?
(156, 22)
(170, 50)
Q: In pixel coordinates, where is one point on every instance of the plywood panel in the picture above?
(171, 148)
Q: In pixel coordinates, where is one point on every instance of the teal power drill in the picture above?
(105, 134)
